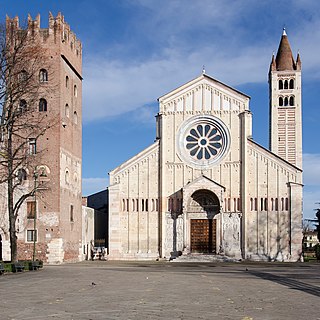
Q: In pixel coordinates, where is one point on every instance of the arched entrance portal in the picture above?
(203, 230)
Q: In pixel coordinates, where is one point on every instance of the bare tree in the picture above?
(22, 120)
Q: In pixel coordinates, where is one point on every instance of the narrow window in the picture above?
(287, 204)
(31, 235)
(291, 84)
(261, 204)
(239, 204)
(42, 105)
(282, 204)
(142, 205)
(67, 177)
(276, 204)
(229, 204)
(32, 146)
(71, 213)
(251, 204)
(127, 201)
(67, 111)
(266, 204)
(280, 101)
(286, 84)
(123, 205)
(67, 82)
(133, 209)
(43, 75)
(152, 201)
(75, 117)
(291, 101)
(280, 85)
(255, 204)
(272, 204)
(286, 102)
(31, 209)
(75, 91)
(137, 204)
(147, 203)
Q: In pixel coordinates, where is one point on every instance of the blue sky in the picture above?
(134, 51)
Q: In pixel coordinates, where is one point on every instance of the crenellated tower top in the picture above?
(57, 33)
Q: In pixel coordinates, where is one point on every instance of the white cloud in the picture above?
(115, 84)
(93, 185)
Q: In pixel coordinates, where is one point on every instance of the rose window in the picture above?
(203, 141)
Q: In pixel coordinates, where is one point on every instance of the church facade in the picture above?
(205, 186)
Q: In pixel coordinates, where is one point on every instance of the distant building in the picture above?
(58, 231)
(99, 202)
(205, 186)
(310, 239)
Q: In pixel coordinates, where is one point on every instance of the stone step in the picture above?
(204, 258)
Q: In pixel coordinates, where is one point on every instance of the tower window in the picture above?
(67, 178)
(286, 101)
(291, 101)
(71, 213)
(31, 235)
(291, 84)
(75, 91)
(67, 111)
(42, 105)
(22, 175)
(43, 75)
(280, 101)
(22, 106)
(23, 76)
(32, 146)
(280, 84)
(75, 117)
(31, 209)
(67, 82)
(285, 84)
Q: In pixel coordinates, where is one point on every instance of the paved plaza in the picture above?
(163, 290)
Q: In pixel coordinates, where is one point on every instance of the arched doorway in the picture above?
(203, 230)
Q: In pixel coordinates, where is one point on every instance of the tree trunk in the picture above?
(12, 215)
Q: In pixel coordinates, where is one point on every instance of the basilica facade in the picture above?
(205, 186)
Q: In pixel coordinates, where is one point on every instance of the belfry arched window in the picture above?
(291, 101)
(285, 84)
(280, 84)
(291, 84)
(280, 101)
(286, 101)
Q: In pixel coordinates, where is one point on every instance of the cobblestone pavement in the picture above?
(163, 290)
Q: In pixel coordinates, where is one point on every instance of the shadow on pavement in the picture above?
(290, 283)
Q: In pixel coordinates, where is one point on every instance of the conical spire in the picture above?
(284, 59)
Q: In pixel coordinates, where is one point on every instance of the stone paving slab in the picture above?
(163, 290)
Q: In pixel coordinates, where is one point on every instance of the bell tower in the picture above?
(285, 138)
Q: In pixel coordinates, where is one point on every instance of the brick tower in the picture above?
(285, 104)
(57, 228)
